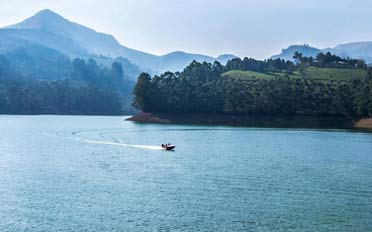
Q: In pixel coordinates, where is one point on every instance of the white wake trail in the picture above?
(126, 145)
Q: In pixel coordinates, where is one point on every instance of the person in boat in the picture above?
(168, 146)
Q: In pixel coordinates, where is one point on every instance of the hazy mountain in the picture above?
(53, 28)
(12, 39)
(33, 59)
(306, 50)
(176, 61)
(224, 58)
(40, 62)
(49, 29)
(361, 50)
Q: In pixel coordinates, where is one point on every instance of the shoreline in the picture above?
(305, 122)
(365, 123)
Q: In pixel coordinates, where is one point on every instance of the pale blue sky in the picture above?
(242, 27)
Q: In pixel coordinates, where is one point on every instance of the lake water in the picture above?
(67, 173)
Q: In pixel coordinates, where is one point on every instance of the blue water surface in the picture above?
(84, 173)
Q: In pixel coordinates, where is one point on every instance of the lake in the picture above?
(74, 173)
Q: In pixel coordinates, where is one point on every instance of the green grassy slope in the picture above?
(315, 73)
(247, 75)
(340, 74)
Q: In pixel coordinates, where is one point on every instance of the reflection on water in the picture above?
(105, 174)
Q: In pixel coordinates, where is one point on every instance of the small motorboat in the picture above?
(168, 147)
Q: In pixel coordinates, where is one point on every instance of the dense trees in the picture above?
(87, 89)
(142, 91)
(90, 88)
(58, 97)
(91, 73)
(329, 60)
(270, 65)
(201, 88)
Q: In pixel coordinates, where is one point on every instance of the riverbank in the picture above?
(365, 123)
(253, 121)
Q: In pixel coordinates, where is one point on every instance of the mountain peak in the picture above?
(43, 19)
(49, 29)
(47, 13)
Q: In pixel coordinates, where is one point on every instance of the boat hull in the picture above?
(169, 148)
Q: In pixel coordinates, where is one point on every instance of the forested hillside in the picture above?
(275, 88)
(86, 89)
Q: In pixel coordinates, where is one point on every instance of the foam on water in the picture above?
(126, 145)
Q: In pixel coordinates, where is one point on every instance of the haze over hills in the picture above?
(48, 39)
(46, 28)
(357, 50)
(306, 50)
(361, 50)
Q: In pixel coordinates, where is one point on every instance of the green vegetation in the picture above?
(89, 89)
(257, 88)
(57, 97)
(313, 73)
(247, 75)
(338, 74)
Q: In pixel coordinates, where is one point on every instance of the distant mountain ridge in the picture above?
(362, 50)
(357, 50)
(47, 28)
(306, 50)
(49, 31)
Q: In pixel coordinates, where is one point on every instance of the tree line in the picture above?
(57, 97)
(87, 89)
(200, 88)
(329, 60)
